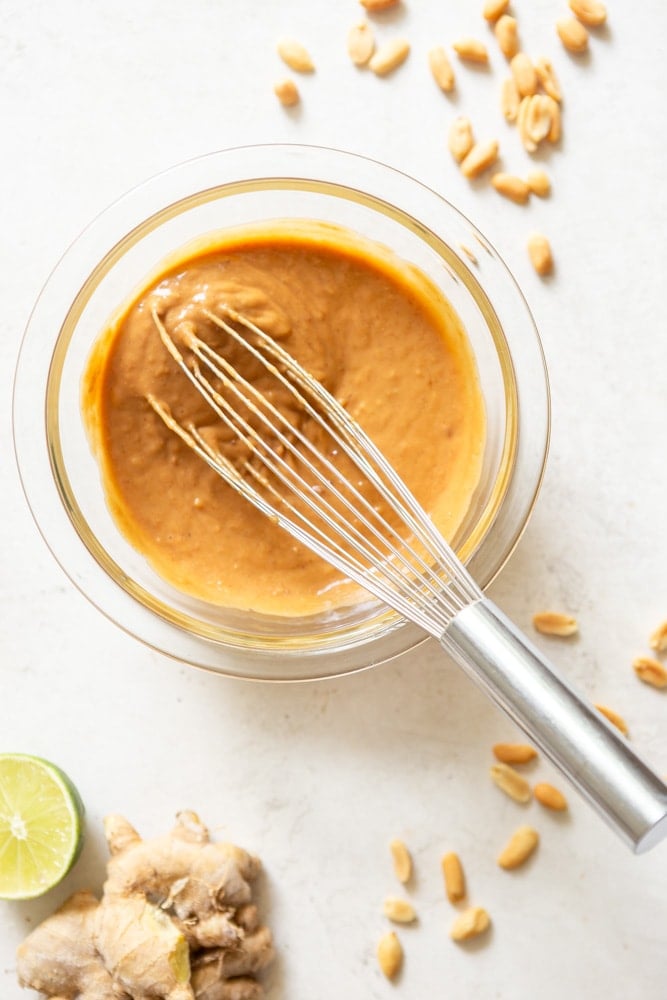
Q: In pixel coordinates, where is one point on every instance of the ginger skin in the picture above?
(175, 922)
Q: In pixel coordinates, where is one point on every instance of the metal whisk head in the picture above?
(362, 519)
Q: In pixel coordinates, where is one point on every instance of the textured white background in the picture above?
(96, 97)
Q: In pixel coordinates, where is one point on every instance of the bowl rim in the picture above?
(391, 634)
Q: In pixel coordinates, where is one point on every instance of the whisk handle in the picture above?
(579, 741)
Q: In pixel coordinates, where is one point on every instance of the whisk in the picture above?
(379, 536)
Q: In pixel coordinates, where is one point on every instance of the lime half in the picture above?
(41, 825)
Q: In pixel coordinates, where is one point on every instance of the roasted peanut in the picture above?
(402, 860)
(470, 924)
(389, 56)
(650, 671)
(482, 156)
(521, 845)
(539, 251)
(441, 69)
(555, 623)
(452, 871)
(572, 34)
(550, 797)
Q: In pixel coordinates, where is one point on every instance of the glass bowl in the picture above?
(235, 187)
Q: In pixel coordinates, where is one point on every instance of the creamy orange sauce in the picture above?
(373, 329)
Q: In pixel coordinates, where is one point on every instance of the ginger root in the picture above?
(175, 922)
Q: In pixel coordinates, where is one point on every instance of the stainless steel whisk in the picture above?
(413, 571)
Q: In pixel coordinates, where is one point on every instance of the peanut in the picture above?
(389, 954)
(460, 140)
(441, 69)
(470, 924)
(390, 56)
(521, 845)
(295, 55)
(480, 158)
(658, 639)
(613, 717)
(452, 871)
(554, 623)
(524, 74)
(402, 860)
(539, 251)
(507, 36)
(493, 9)
(511, 187)
(287, 93)
(514, 753)
(399, 910)
(471, 50)
(591, 12)
(550, 797)
(547, 77)
(535, 120)
(509, 99)
(650, 671)
(572, 34)
(539, 183)
(511, 782)
(375, 5)
(360, 43)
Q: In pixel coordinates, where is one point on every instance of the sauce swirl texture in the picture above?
(373, 329)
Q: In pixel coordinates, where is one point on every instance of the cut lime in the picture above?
(41, 825)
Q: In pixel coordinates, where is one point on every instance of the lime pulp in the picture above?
(41, 825)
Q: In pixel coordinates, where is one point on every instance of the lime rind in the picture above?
(41, 825)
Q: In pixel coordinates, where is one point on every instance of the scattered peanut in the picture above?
(482, 156)
(402, 860)
(374, 5)
(390, 56)
(511, 782)
(509, 99)
(613, 717)
(441, 68)
(539, 251)
(555, 623)
(493, 9)
(399, 910)
(470, 924)
(511, 187)
(295, 55)
(524, 73)
(591, 12)
(539, 183)
(390, 954)
(460, 140)
(535, 120)
(514, 753)
(572, 34)
(658, 639)
(650, 671)
(360, 43)
(471, 50)
(287, 93)
(547, 77)
(550, 797)
(452, 871)
(521, 845)
(507, 36)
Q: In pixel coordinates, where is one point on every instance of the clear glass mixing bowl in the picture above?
(238, 186)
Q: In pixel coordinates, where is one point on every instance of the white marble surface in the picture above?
(318, 778)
